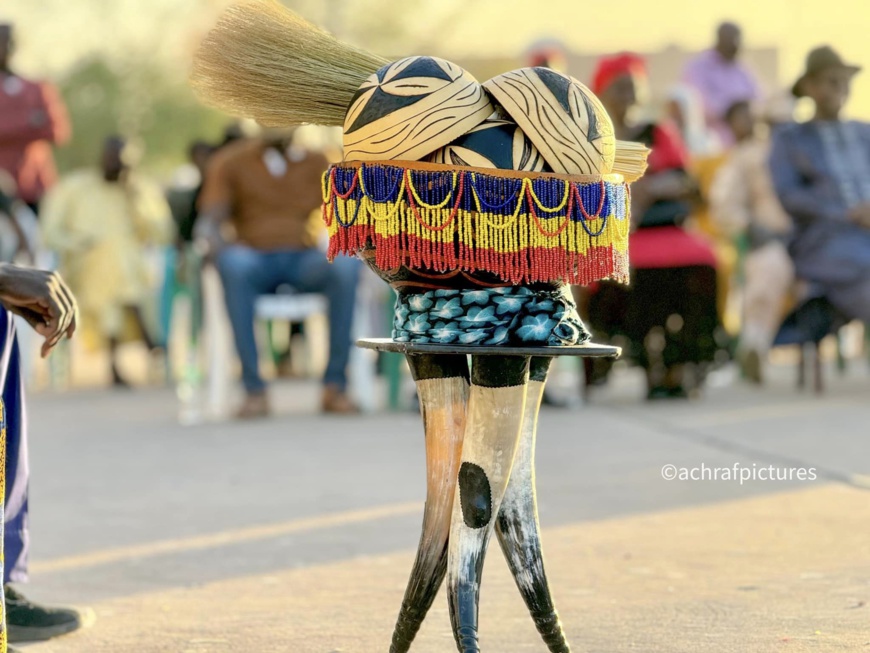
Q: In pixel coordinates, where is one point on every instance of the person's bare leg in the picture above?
(144, 333)
(769, 274)
(117, 379)
(675, 376)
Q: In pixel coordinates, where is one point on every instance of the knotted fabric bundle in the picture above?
(516, 316)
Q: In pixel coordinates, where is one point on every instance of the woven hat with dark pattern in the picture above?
(561, 116)
(498, 142)
(410, 108)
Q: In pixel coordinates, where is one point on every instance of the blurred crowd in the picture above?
(750, 230)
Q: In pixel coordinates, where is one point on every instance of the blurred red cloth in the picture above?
(32, 117)
(668, 150)
(668, 247)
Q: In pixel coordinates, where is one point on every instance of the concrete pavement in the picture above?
(297, 534)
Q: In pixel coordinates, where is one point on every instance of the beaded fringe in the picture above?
(524, 230)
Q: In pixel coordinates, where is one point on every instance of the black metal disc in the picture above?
(590, 350)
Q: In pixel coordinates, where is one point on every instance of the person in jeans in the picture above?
(259, 222)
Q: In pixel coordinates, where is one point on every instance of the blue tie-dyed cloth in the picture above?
(515, 316)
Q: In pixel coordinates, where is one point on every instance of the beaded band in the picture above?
(525, 227)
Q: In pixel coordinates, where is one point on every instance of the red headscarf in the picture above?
(609, 68)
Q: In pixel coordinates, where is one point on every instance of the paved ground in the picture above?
(296, 535)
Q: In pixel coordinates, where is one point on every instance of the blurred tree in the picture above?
(158, 113)
(92, 94)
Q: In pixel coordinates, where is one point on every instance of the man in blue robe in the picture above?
(821, 172)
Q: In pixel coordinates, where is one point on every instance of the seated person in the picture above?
(821, 172)
(668, 313)
(269, 191)
(744, 203)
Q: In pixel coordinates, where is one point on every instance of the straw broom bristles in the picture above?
(263, 61)
(630, 160)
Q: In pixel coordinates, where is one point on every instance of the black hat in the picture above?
(819, 59)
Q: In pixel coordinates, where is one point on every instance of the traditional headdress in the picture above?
(478, 203)
(462, 195)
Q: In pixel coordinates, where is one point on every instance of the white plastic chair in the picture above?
(289, 306)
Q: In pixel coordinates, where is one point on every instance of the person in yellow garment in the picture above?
(45, 302)
(99, 221)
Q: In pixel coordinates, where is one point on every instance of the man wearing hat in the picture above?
(821, 172)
